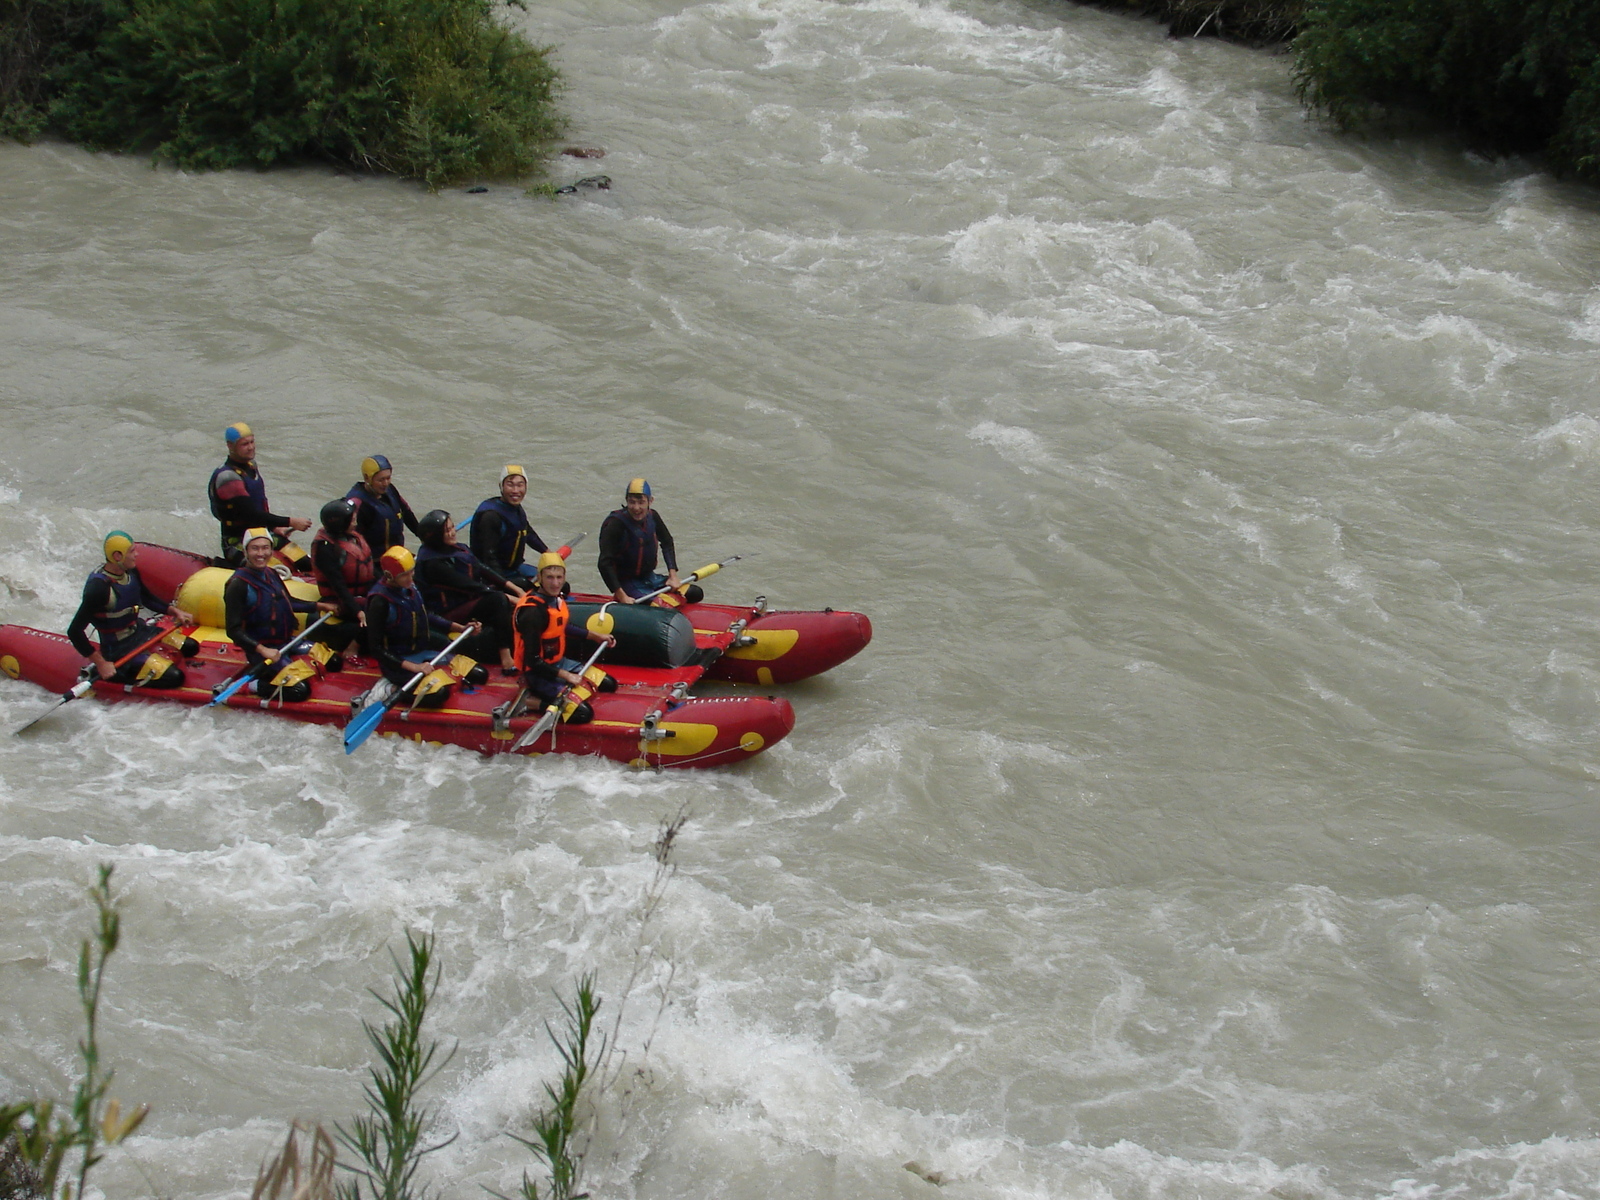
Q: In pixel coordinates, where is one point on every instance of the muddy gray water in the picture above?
(1214, 812)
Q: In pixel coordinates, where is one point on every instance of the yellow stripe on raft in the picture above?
(769, 644)
(687, 738)
(691, 738)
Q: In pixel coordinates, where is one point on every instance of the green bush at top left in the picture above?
(435, 90)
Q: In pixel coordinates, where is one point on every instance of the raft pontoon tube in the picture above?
(650, 720)
(772, 646)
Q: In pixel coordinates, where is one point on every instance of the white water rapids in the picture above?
(1214, 814)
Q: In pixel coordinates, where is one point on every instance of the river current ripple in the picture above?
(1214, 814)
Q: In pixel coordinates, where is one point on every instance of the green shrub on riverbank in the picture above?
(436, 90)
(1516, 75)
(34, 33)
(1257, 22)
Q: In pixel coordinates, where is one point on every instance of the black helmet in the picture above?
(337, 515)
(431, 527)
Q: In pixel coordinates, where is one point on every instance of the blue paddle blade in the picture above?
(362, 725)
(222, 696)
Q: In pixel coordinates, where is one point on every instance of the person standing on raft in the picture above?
(382, 514)
(238, 497)
(402, 634)
(342, 564)
(261, 613)
(112, 597)
(539, 623)
(501, 531)
(629, 538)
(456, 585)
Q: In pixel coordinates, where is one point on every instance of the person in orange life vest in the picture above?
(343, 566)
(382, 514)
(112, 598)
(261, 613)
(629, 538)
(540, 625)
(402, 634)
(501, 531)
(455, 584)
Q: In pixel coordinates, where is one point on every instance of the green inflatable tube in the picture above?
(646, 636)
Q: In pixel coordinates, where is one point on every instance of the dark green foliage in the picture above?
(1257, 22)
(1515, 75)
(388, 1138)
(35, 37)
(437, 90)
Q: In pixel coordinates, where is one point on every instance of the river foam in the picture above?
(1212, 813)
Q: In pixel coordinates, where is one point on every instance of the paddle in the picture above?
(368, 719)
(704, 572)
(553, 713)
(253, 670)
(84, 686)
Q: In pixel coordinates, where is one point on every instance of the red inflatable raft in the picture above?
(650, 720)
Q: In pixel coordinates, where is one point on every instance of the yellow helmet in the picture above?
(601, 624)
(397, 560)
(551, 559)
(251, 535)
(117, 543)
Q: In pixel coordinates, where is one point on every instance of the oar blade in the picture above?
(258, 670)
(82, 688)
(365, 721)
(553, 713)
(537, 730)
(362, 725)
(40, 717)
(223, 696)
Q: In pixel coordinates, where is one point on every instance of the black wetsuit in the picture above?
(502, 535)
(382, 520)
(112, 604)
(456, 585)
(239, 502)
(541, 625)
(628, 552)
(400, 628)
(260, 611)
(541, 654)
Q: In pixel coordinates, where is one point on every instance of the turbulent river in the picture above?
(1214, 814)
